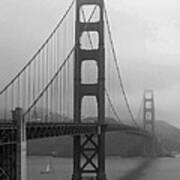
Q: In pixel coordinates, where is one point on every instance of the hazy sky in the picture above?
(146, 34)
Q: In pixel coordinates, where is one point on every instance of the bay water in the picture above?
(117, 168)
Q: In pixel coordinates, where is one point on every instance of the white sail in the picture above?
(48, 169)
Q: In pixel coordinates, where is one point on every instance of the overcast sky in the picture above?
(146, 34)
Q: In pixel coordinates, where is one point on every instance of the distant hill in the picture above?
(168, 135)
(117, 143)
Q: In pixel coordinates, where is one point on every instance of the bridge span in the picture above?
(35, 130)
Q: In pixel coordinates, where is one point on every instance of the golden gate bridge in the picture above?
(69, 87)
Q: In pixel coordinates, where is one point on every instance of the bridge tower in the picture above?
(91, 147)
(148, 121)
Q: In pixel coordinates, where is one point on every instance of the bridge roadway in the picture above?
(35, 130)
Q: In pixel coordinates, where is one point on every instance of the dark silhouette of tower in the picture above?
(91, 147)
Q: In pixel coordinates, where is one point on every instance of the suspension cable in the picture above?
(40, 49)
(112, 106)
(139, 111)
(50, 82)
(118, 69)
(57, 72)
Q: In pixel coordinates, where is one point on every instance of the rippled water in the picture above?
(117, 168)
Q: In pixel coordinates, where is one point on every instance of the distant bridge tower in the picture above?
(91, 147)
(149, 120)
(148, 110)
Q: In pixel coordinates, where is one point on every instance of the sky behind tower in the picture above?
(146, 35)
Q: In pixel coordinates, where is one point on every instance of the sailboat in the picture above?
(48, 168)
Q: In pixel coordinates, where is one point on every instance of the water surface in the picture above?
(117, 168)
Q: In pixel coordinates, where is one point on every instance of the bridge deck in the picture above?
(43, 130)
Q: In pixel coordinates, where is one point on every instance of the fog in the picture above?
(146, 35)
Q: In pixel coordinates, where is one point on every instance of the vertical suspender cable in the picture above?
(51, 74)
(47, 77)
(29, 88)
